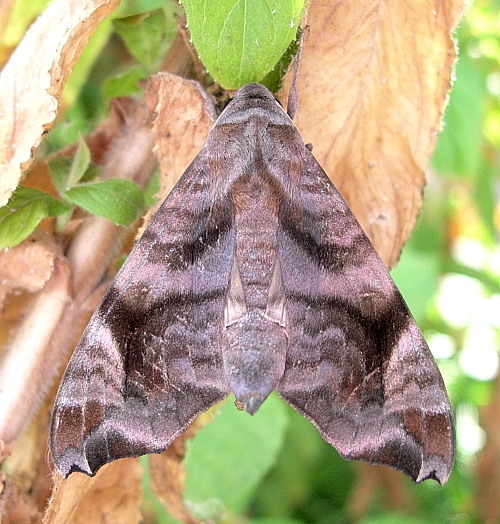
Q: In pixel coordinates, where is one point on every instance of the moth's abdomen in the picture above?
(254, 354)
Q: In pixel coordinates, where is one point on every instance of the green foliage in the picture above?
(65, 175)
(122, 53)
(240, 41)
(124, 84)
(118, 200)
(144, 37)
(147, 36)
(25, 210)
(238, 460)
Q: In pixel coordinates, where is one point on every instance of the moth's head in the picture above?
(254, 99)
(254, 91)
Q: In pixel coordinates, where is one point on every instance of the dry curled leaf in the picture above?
(185, 119)
(24, 365)
(81, 499)
(372, 84)
(30, 94)
(26, 267)
(15, 506)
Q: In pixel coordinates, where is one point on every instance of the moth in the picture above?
(254, 275)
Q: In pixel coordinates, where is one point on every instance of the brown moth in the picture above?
(254, 275)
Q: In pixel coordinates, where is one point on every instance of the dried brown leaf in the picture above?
(32, 81)
(113, 495)
(183, 117)
(28, 449)
(29, 475)
(372, 84)
(15, 506)
(23, 369)
(168, 475)
(488, 464)
(28, 464)
(26, 267)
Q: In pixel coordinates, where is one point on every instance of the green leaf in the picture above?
(145, 37)
(66, 173)
(273, 80)
(75, 123)
(240, 41)
(80, 164)
(228, 458)
(118, 200)
(306, 465)
(59, 171)
(125, 84)
(25, 210)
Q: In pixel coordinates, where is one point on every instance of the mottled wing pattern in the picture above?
(357, 366)
(149, 361)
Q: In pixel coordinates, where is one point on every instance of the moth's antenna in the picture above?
(293, 95)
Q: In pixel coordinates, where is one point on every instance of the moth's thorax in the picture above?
(253, 154)
(256, 177)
